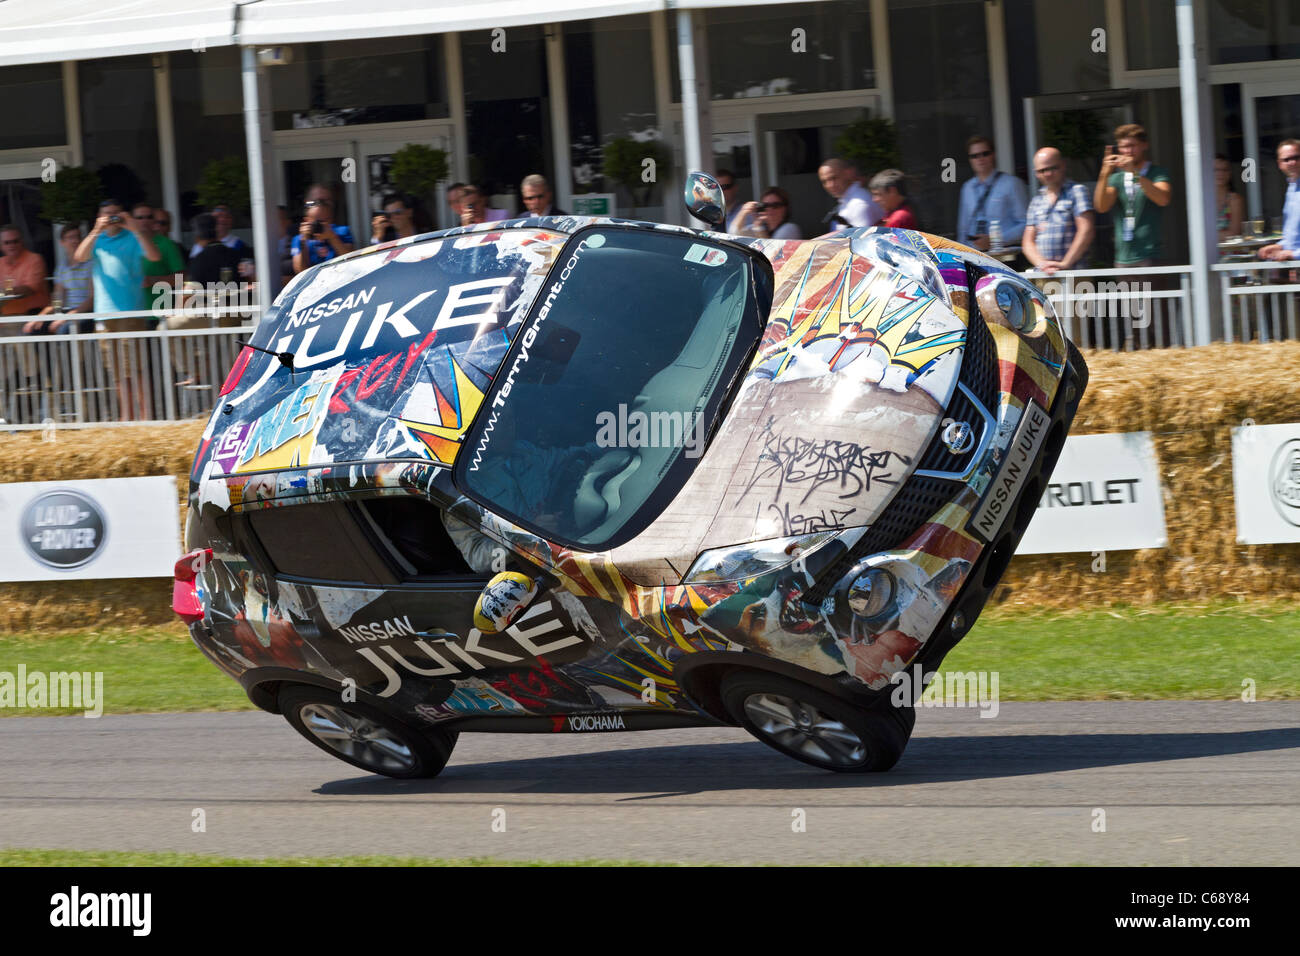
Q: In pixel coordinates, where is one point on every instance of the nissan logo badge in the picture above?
(63, 529)
(959, 437)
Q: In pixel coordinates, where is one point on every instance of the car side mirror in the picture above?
(703, 198)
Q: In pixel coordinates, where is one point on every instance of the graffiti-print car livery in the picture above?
(581, 475)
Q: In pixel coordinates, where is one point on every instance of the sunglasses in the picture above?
(727, 185)
(981, 155)
(1047, 169)
(317, 202)
(1289, 159)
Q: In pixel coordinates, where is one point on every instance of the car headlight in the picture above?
(884, 250)
(871, 593)
(750, 560)
(1015, 303)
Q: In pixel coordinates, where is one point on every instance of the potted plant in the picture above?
(624, 162)
(71, 196)
(224, 182)
(871, 144)
(417, 170)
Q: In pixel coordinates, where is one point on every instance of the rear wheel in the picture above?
(365, 736)
(816, 727)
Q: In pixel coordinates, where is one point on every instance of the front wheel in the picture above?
(365, 736)
(816, 727)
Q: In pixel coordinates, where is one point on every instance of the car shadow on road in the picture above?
(655, 772)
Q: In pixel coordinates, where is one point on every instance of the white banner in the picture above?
(1104, 495)
(106, 528)
(1266, 483)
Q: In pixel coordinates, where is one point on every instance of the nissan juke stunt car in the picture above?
(575, 475)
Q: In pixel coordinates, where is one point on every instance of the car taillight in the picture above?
(237, 370)
(185, 596)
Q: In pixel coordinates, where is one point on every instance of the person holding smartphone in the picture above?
(1141, 189)
(318, 239)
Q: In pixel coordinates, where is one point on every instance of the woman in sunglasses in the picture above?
(770, 218)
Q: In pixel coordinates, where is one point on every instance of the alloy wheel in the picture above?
(357, 738)
(799, 726)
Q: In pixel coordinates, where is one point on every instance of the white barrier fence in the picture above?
(1122, 308)
(1151, 307)
(1258, 300)
(107, 377)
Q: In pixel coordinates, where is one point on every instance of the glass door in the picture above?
(1271, 114)
(793, 148)
(431, 210)
(357, 165)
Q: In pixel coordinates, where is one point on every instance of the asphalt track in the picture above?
(1180, 783)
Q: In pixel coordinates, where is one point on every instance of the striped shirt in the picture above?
(75, 277)
(1054, 228)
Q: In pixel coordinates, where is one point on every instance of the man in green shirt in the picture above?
(1141, 190)
(171, 261)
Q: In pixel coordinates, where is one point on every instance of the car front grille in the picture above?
(923, 495)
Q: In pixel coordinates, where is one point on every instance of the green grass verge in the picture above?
(115, 858)
(145, 670)
(1200, 652)
(1160, 653)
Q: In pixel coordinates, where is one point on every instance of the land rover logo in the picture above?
(959, 437)
(1284, 481)
(63, 529)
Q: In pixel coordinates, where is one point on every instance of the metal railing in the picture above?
(1258, 300)
(1122, 308)
(72, 378)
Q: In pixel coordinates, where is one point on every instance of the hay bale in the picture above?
(1190, 399)
(115, 452)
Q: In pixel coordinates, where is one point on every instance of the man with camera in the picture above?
(117, 248)
(318, 239)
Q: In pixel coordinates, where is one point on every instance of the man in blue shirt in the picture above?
(117, 248)
(991, 195)
(1288, 161)
(318, 238)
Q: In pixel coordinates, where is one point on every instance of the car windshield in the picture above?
(603, 406)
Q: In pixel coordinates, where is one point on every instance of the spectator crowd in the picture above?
(119, 264)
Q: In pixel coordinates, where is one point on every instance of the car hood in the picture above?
(392, 351)
(856, 366)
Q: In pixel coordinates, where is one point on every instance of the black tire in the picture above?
(368, 737)
(865, 740)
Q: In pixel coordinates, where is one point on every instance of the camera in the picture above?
(317, 228)
(760, 206)
(114, 219)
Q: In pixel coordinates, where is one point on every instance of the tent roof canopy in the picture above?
(50, 31)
